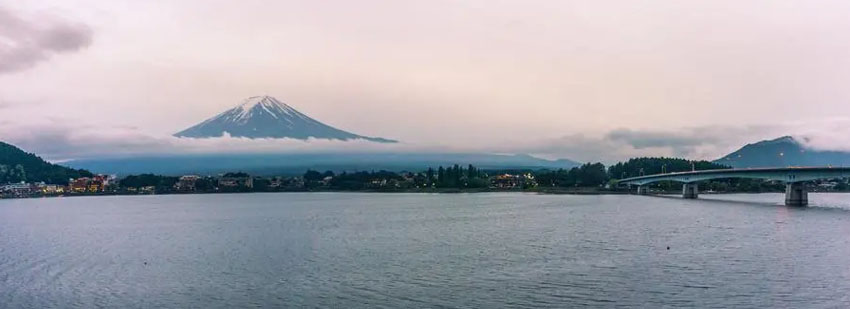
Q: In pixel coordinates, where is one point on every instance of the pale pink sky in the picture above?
(586, 80)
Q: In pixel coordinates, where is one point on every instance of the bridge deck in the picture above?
(786, 174)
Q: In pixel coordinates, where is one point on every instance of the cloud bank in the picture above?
(704, 142)
(24, 42)
(62, 139)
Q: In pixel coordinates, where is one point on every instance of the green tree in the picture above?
(17, 165)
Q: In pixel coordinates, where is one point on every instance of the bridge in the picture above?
(795, 191)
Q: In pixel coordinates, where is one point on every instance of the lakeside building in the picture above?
(95, 184)
(236, 181)
(509, 181)
(78, 185)
(51, 189)
(286, 183)
(21, 189)
(187, 183)
(276, 182)
(504, 181)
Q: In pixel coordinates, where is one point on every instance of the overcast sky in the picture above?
(587, 80)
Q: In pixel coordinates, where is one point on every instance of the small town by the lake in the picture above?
(586, 179)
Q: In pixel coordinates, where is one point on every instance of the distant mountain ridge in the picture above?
(17, 165)
(781, 152)
(266, 117)
(296, 164)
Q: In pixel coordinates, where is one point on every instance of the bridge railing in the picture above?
(789, 175)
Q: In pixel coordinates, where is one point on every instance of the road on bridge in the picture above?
(795, 191)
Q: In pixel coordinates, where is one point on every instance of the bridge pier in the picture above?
(690, 190)
(794, 177)
(796, 194)
(642, 190)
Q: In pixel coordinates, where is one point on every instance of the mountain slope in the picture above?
(783, 151)
(266, 117)
(296, 164)
(17, 165)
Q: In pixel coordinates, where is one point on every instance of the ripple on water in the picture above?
(417, 250)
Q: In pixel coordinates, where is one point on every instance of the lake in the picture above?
(485, 250)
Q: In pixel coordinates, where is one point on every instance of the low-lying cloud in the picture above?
(62, 139)
(704, 143)
(24, 42)
(827, 134)
(654, 139)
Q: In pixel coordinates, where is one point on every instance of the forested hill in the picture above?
(17, 165)
(650, 166)
(783, 151)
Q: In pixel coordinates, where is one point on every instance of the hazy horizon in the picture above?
(586, 81)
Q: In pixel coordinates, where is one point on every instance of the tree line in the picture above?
(589, 175)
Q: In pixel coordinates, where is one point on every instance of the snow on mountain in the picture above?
(266, 117)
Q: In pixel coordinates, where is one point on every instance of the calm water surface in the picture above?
(338, 250)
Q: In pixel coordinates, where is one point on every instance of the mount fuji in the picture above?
(266, 117)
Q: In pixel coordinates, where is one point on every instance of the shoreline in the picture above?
(546, 191)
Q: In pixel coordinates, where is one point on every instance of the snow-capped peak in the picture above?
(266, 117)
(263, 105)
(251, 102)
